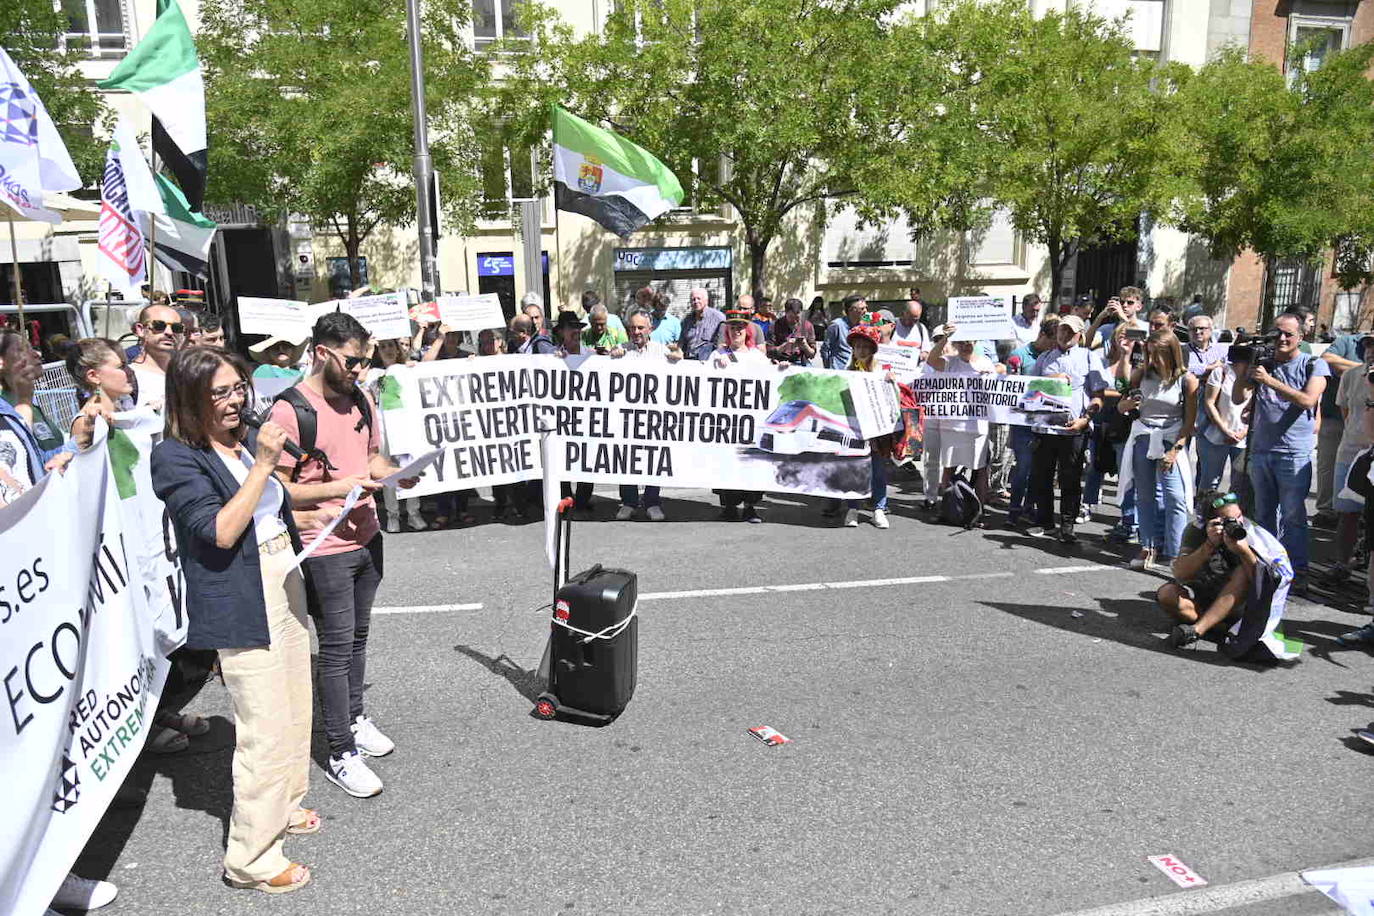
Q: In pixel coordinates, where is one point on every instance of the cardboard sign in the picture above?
(472, 313)
(289, 319)
(981, 317)
(1179, 873)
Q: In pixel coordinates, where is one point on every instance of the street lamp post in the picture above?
(424, 165)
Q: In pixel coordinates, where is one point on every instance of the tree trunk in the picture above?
(1057, 261)
(351, 246)
(758, 259)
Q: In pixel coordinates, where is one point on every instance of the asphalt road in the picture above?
(1010, 738)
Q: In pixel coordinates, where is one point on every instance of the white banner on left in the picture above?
(82, 673)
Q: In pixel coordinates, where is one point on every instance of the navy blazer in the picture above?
(224, 597)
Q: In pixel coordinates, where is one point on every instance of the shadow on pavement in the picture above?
(1135, 622)
(526, 683)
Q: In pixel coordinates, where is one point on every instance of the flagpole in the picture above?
(423, 165)
(152, 233)
(18, 284)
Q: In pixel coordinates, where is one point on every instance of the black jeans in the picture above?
(1064, 454)
(731, 499)
(583, 497)
(345, 584)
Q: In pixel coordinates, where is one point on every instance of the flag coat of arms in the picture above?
(607, 178)
(33, 158)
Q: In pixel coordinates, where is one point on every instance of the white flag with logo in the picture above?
(33, 158)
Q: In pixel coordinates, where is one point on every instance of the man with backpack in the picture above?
(336, 425)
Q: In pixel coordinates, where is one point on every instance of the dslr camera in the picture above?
(1233, 528)
(1254, 349)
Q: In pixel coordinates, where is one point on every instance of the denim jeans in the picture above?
(1281, 481)
(1021, 440)
(629, 496)
(1164, 515)
(877, 482)
(1211, 462)
(345, 584)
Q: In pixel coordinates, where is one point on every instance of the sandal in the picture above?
(293, 879)
(191, 726)
(168, 741)
(305, 821)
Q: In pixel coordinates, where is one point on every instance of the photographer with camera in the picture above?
(1288, 386)
(1213, 573)
(1233, 579)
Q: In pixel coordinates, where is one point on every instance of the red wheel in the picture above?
(545, 708)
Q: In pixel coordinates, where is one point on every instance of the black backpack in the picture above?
(308, 424)
(959, 503)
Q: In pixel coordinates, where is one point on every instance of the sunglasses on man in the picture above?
(157, 326)
(350, 362)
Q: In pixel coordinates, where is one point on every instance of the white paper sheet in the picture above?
(414, 469)
(350, 501)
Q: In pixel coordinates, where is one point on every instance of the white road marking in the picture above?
(427, 609)
(1052, 570)
(1218, 897)
(765, 589)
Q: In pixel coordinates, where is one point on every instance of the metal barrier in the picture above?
(56, 393)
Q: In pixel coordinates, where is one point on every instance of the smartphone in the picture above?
(1136, 334)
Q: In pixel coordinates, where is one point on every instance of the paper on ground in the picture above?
(414, 469)
(1352, 888)
(1178, 873)
(350, 501)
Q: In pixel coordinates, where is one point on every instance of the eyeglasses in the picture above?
(225, 392)
(157, 326)
(1226, 499)
(350, 362)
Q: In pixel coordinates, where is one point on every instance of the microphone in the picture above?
(289, 447)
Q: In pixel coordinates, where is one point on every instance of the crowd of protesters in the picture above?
(1214, 450)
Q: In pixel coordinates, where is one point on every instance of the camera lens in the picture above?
(1234, 529)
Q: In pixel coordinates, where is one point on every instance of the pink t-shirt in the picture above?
(348, 448)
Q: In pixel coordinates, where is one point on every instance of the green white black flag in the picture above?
(603, 176)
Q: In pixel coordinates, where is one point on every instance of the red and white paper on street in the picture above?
(1179, 873)
(769, 736)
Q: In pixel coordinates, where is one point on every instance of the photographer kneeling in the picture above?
(1230, 570)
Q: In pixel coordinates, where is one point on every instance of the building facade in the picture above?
(824, 251)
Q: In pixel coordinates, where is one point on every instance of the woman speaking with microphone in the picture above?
(237, 538)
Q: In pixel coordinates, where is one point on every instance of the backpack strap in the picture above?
(307, 429)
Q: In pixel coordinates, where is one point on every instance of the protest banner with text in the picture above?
(82, 672)
(638, 422)
(1022, 400)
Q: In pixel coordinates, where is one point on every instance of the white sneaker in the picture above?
(77, 893)
(851, 518)
(393, 525)
(352, 774)
(1085, 514)
(879, 518)
(369, 739)
(624, 513)
(417, 522)
(655, 514)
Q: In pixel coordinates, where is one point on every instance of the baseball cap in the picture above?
(1072, 321)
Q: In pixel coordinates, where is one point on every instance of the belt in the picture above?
(276, 544)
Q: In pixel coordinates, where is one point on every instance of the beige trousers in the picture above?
(270, 689)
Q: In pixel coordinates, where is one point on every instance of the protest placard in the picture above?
(1022, 400)
(903, 360)
(385, 316)
(640, 422)
(981, 317)
(472, 313)
(289, 319)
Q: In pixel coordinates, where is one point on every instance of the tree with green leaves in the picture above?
(308, 107)
(1052, 117)
(1284, 168)
(751, 104)
(34, 31)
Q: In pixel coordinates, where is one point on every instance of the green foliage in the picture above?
(760, 95)
(33, 30)
(308, 105)
(1285, 170)
(1052, 117)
